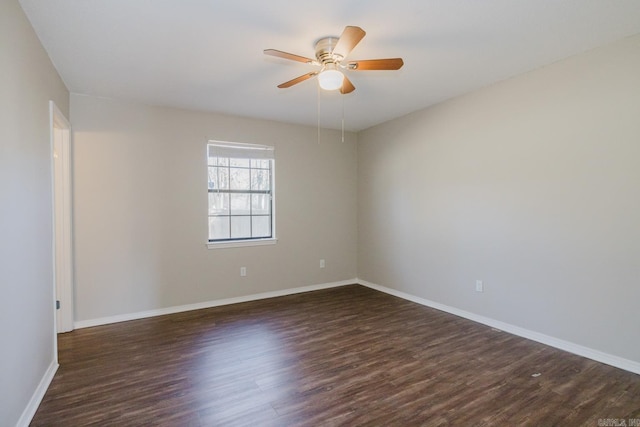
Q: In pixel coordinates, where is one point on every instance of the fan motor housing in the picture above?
(324, 51)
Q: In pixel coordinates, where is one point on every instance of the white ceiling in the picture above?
(207, 54)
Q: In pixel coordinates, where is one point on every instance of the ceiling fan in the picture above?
(330, 55)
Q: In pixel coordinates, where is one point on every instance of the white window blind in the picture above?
(241, 151)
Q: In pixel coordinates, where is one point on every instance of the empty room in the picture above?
(336, 213)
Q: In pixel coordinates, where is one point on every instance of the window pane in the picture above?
(218, 204)
(259, 179)
(218, 161)
(240, 204)
(260, 163)
(261, 204)
(240, 179)
(218, 178)
(261, 226)
(240, 227)
(219, 227)
(243, 163)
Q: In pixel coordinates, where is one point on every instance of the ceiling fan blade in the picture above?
(350, 37)
(286, 55)
(376, 64)
(347, 86)
(297, 80)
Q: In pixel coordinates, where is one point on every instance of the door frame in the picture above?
(62, 218)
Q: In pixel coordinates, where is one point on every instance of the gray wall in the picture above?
(27, 82)
(532, 185)
(140, 209)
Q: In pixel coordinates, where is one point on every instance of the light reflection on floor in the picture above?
(238, 370)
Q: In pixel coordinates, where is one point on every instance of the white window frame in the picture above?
(243, 150)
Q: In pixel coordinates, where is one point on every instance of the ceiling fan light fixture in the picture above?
(330, 55)
(330, 79)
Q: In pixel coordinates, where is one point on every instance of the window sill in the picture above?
(242, 243)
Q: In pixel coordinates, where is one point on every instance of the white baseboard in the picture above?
(208, 304)
(38, 394)
(598, 356)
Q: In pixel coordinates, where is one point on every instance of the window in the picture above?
(240, 192)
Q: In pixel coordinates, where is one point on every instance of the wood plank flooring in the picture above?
(345, 356)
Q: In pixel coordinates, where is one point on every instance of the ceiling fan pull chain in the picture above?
(318, 114)
(342, 118)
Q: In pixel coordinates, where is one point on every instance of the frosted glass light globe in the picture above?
(330, 79)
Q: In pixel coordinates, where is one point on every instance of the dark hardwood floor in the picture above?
(344, 356)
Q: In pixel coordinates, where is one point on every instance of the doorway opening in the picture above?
(62, 210)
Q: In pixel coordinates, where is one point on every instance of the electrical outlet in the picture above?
(479, 286)
(243, 271)
(322, 263)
